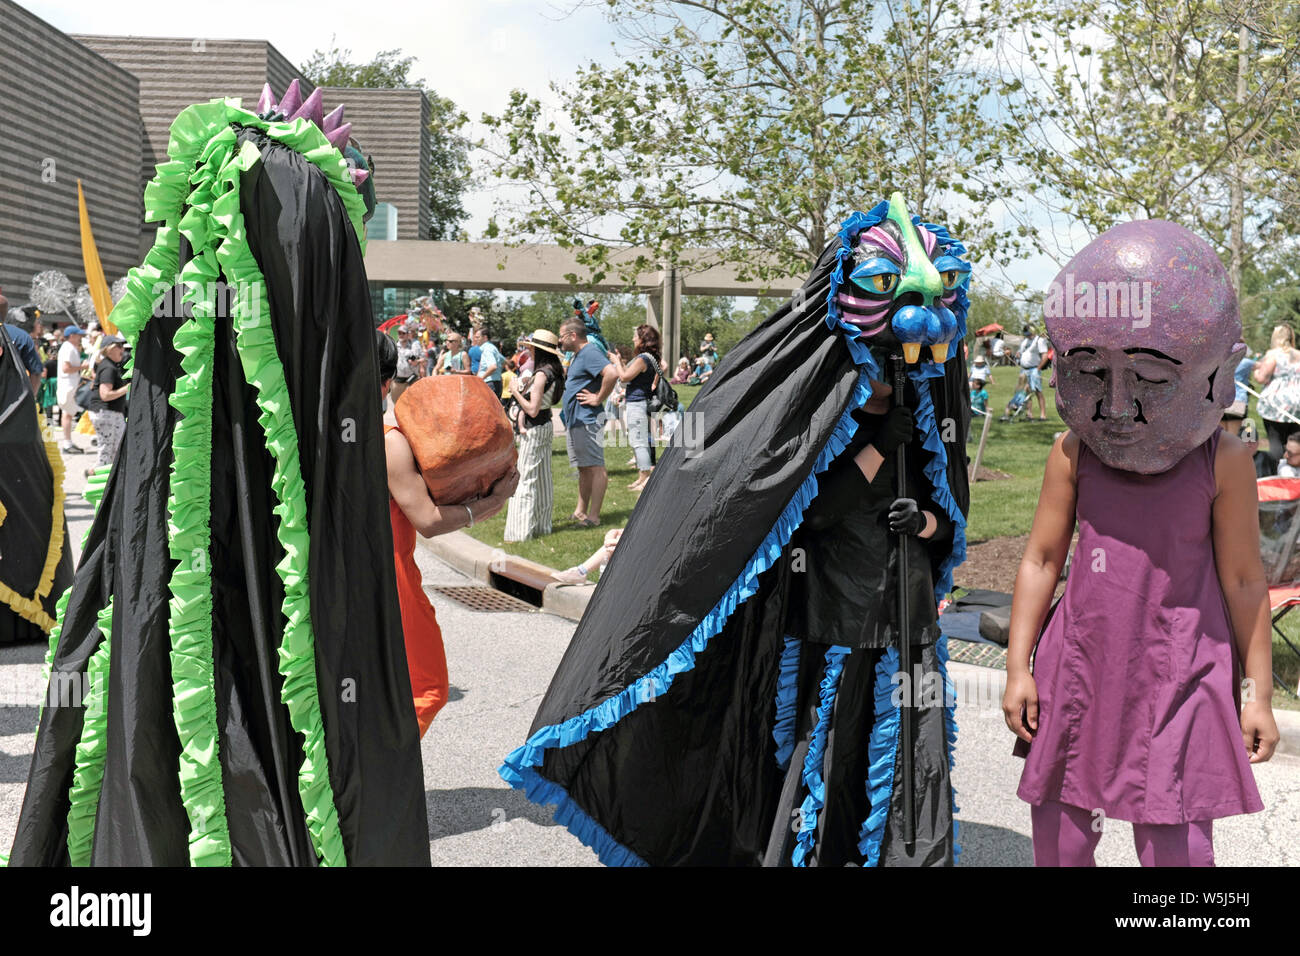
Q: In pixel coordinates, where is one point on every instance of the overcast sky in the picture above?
(473, 52)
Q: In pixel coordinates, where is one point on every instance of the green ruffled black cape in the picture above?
(229, 681)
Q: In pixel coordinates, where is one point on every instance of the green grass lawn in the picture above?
(1006, 506)
(567, 544)
(998, 508)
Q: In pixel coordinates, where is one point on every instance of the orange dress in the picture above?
(425, 658)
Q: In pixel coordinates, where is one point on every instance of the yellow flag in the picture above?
(99, 293)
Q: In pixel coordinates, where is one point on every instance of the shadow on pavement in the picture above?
(29, 652)
(986, 845)
(469, 809)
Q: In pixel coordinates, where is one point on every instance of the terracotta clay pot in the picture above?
(459, 434)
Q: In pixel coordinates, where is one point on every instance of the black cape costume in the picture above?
(232, 640)
(35, 564)
(691, 722)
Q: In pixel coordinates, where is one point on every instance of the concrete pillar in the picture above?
(670, 331)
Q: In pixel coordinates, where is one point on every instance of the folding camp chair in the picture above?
(1279, 528)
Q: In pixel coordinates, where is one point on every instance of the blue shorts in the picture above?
(1035, 380)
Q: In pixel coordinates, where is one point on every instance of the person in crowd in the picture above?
(491, 363)
(998, 349)
(49, 394)
(508, 376)
(1019, 400)
(588, 381)
(640, 375)
(1288, 466)
(980, 372)
(529, 513)
(71, 365)
(23, 345)
(108, 401)
(615, 423)
(523, 357)
(455, 360)
(599, 558)
(412, 509)
(979, 406)
(683, 371)
(1279, 401)
(1235, 413)
(409, 356)
(476, 321)
(1032, 357)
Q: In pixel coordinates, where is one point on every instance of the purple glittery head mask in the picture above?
(1147, 336)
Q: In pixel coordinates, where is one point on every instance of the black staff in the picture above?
(907, 727)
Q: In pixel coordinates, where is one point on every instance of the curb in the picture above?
(475, 559)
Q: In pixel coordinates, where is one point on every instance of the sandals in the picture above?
(589, 523)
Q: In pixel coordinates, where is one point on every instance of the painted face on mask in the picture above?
(1147, 336)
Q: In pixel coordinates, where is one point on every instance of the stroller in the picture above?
(1279, 528)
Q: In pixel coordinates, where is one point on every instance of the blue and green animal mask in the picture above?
(906, 283)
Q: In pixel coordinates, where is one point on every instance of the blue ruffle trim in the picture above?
(882, 753)
(787, 693)
(849, 229)
(516, 770)
(572, 817)
(936, 472)
(950, 725)
(816, 756)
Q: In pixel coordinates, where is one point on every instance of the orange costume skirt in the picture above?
(425, 658)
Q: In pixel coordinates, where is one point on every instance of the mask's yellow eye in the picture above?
(884, 282)
(951, 278)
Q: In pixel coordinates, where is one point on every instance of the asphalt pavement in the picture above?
(500, 664)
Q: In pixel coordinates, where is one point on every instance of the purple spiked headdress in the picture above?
(291, 106)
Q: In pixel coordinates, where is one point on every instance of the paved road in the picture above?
(500, 664)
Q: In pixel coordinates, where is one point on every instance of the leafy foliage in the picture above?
(449, 166)
(751, 127)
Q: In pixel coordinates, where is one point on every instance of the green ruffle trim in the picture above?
(94, 493)
(189, 510)
(88, 776)
(251, 317)
(203, 172)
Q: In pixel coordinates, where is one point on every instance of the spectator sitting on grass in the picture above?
(599, 558)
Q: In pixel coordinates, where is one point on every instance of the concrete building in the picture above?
(99, 108)
(174, 73)
(66, 113)
(392, 127)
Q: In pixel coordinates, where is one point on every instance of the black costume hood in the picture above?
(687, 614)
(233, 637)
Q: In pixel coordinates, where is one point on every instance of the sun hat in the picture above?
(544, 339)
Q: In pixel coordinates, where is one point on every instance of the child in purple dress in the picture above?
(1136, 708)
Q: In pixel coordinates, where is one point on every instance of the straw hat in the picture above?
(544, 339)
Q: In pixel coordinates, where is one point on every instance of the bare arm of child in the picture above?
(1245, 589)
(1040, 569)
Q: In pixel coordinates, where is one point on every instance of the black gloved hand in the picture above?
(905, 517)
(895, 430)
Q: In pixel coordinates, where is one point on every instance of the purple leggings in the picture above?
(1064, 836)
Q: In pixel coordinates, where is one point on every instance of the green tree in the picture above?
(752, 127)
(1156, 110)
(449, 164)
